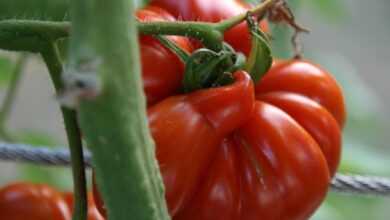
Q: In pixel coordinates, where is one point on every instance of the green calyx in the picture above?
(206, 68)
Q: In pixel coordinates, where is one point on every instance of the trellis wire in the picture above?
(351, 184)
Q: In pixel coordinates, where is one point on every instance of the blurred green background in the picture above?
(350, 38)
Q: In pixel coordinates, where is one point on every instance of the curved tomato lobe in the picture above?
(219, 194)
(284, 174)
(20, 201)
(315, 119)
(305, 78)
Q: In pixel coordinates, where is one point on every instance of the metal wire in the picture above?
(350, 184)
(38, 155)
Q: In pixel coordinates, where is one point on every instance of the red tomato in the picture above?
(162, 70)
(307, 79)
(93, 213)
(213, 11)
(273, 161)
(278, 165)
(21, 201)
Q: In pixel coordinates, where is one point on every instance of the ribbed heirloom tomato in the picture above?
(162, 70)
(213, 11)
(225, 156)
(278, 165)
(21, 201)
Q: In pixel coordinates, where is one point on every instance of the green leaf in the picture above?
(260, 58)
(6, 67)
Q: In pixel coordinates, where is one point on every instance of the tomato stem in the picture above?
(182, 54)
(51, 57)
(203, 31)
(257, 10)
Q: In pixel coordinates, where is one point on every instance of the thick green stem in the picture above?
(29, 35)
(52, 59)
(104, 44)
(10, 96)
(205, 32)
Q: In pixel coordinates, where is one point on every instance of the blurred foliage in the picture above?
(329, 10)
(6, 68)
(55, 176)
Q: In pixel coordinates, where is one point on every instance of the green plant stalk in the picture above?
(114, 122)
(10, 96)
(28, 35)
(50, 55)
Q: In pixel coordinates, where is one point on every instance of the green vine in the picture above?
(51, 56)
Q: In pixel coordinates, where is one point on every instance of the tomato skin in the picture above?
(213, 11)
(162, 70)
(196, 123)
(307, 79)
(93, 212)
(269, 169)
(315, 119)
(293, 171)
(219, 195)
(20, 201)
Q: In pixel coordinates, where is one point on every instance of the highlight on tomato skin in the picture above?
(214, 11)
(21, 201)
(307, 79)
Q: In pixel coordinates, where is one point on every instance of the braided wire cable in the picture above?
(350, 184)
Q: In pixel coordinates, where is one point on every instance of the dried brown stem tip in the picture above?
(281, 13)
